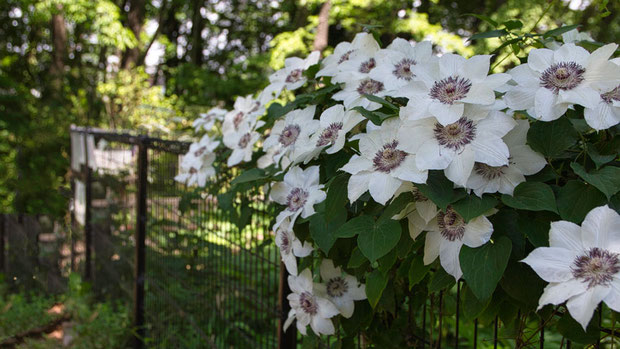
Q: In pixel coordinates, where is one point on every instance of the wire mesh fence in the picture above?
(198, 275)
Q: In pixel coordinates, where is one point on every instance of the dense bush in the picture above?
(399, 173)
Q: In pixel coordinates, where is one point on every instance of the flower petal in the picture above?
(581, 307)
(566, 235)
(558, 292)
(477, 232)
(431, 246)
(601, 228)
(552, 264)
(449, 257)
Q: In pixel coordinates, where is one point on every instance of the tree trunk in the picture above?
(195, 53)
(59, 49)
(135, 19)
(322, 31)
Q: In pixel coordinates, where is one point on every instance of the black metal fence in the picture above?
(198, 276)
(194, 276)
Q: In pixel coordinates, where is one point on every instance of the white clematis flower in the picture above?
(606, 113)
(292, 76)
(363, 44)
(523, 161)
(570, 36)
(197, 165)
(341, 289)
(397, 65)
(208, 119)
(242, 144)
(582, 264)
(419, 213)
(291, 135)
(382, 166)
(455, 147)
(446, 85)
(299, 192)
(334, 124)
(552, 81)
(247, 110)
(309, 308)
(447, 234)
(290, 246)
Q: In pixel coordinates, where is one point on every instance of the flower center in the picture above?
(337, 287)
(289, 135)
(308, 304)
(452, 225)
(200, 151)
(596, 267)
(455, 135)
(296, 199)
(345, 57)
(451, 89)
(285, 243)
(562, 76)
(402, 69)
(238, 119)
(369, 87)
(193, 170)
(367, 66)
(418, 196)
(294, 76)
(613, 95)
(244, 140)
(388, 157)
(489, 172)
(330, 134)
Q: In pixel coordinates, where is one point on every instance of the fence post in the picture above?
(140, 263)
(88, 228)
(288, 339)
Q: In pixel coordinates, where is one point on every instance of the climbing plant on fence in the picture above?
(408, 179)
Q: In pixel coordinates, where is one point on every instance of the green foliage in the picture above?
(484, 266)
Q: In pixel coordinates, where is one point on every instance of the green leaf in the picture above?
(473, 206)
(531, 196)
(552, 138)
(374, 118)
(387, 262)
(470, 305)
(379, 239)
(357, 259)
(513, 24)
(484, 266)
(598, 158)
(440, 189)
(417, 270)
(523, 284)
(607, 179)
(375, 284)
(249, 176)
(571, 329)
(560, 31)
(440, 280)
(489, 34)
(322, 231)
(336, 196)
(536, 226)
(382, 101)
(354, 227)
(576, 199)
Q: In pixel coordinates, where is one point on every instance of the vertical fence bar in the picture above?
(495, 330)
(88, 227)
(458, 302)
(475, 333)
(2, 246)
(288, 339)
(140, 262)
(542, 335)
